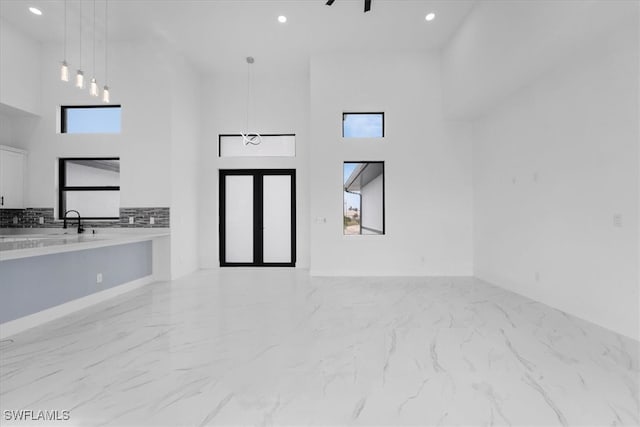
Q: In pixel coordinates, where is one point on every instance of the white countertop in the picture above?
(35, 242)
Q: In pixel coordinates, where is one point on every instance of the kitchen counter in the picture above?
(36, 242)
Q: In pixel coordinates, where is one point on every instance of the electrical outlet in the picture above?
(41, 220)
(131, 220)
(152, 220)
(99, 278)
(617, 220)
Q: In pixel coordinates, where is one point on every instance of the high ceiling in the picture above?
(215, 33)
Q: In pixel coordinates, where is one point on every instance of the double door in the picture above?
(257, 217)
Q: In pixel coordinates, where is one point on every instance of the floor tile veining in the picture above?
(275, 347)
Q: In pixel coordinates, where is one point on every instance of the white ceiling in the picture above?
(215, 33)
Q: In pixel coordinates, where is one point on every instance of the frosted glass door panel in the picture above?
(239, 218)
(277, 218)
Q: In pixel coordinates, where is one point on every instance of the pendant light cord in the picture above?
(94, 38)
(65, 31)
(80, 34)
(106, 37)
(249, 138)
(246, 129)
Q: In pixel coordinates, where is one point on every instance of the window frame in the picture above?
(384, 205)
(63, 188)
(266, 137)
(63, 116)
(258, 204)
(347, 113)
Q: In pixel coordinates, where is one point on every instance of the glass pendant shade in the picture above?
(80, 79)
(105, 95)
(64, 71)
(93, 89)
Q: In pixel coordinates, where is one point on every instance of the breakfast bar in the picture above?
(55, 273)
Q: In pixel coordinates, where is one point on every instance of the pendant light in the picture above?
(105, 90)
(250, 138)
(80, 74)
(64, 67)
(93, 88)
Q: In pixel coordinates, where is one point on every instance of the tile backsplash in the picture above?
(30, 218)
(141, 217)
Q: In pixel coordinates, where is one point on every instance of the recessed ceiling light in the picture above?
(35, 11)
(430, 16)
(282, 19)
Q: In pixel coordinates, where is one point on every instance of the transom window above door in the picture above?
(268, 145)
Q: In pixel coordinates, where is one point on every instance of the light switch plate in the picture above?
(617, 220)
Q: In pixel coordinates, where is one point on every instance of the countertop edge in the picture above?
(111, 240)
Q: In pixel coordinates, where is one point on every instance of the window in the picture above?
(90, 119)
(269, 145)
(363, 201)
(363, 125)
(90, 186)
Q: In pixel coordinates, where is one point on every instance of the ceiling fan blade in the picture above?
(367, 4)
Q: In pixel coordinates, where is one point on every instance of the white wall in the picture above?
(6, 131)
(158, 91)
(280, 104)
(185, 143)
(427, 167)
(16, 126)
(504, 45)
(138, 79)
(552, 166)
(372, 204)
(19, 70)
(20, 87)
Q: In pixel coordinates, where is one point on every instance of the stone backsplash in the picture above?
(30, 218)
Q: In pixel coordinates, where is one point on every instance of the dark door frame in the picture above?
(258, 220)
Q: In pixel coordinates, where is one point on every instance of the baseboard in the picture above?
(13, 327)
(550, 302)
(365, 273)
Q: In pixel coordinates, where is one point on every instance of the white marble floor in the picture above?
(275, 347)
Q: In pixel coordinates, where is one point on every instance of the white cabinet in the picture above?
(12, 177)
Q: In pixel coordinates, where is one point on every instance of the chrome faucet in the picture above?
(80, 228)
